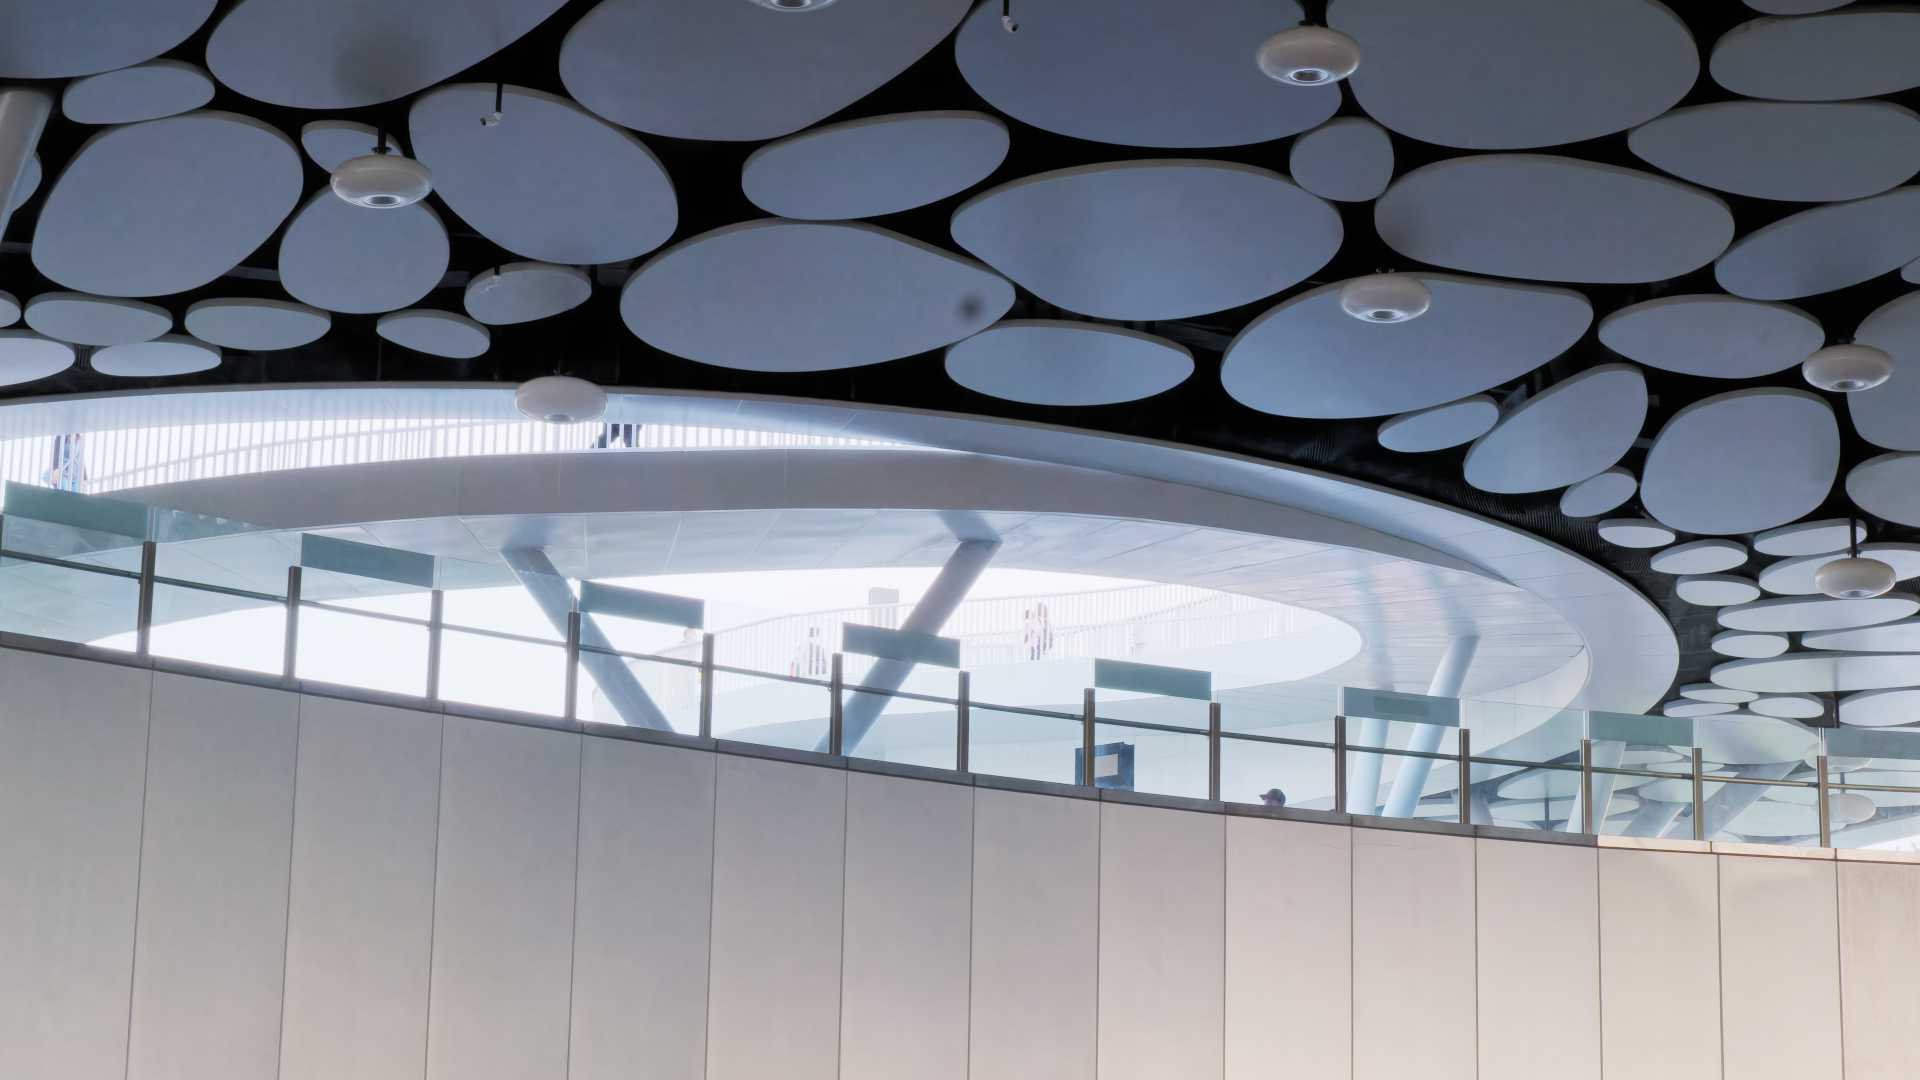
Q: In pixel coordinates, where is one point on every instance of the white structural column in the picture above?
(1412, 778)
(23, 115)
(548, 587)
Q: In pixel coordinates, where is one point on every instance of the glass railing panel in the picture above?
(1525, 733)
(503, 673)
(1391, 784)
(68, 525)
(1287, 710)
(1783, 814)
(1881, 767)
(771, 710)
(77, 603)
(907, 730)
(1276, 774)
(1542, 797)
(1129, 758)
(674, 689)
(362, 650)
(251, 561)
(506, 608)
(365, 594)
(221, 628)
(1025, 745)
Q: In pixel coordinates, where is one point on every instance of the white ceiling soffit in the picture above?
(57, 39)
(1719, 337)
(1299, 357)
(1550, 74)
(1552, 219)
(1568, 432)
(1792, 151)
(1150, 239)
(167, 205)
(772, 295)
(1140, 74)
(875, 165)
(1044, 362)
(550, 181)
(343, 54)
(1742, 461)
(737, 71)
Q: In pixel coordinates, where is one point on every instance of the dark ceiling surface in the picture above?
(592, 341)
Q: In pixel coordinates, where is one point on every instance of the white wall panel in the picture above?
(1659, 965)
(1539, 960)
(779, 859)
(1162, 941)
(1036, 916)
(73, 761)
(1879, 959)
(503, 902)
(1289, 973)
(1779, 968)
(1413, 956)
(641, 918)
(211, 941)
(903, 1014)
(360, 905)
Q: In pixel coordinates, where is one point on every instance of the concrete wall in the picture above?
(208, 880)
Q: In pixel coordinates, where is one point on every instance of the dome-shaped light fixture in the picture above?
(1847, 369)
(1309, 56)
(793, 5)
(382, 180)
(1854, 577)
(1385, 298)
(561, 399)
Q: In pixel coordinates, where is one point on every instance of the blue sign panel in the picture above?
(890, 644)
(1153, 679)
(655, 607)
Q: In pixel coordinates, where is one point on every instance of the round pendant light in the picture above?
(561, 399)
(382, 179)
(1847, 369)
(1385, 298)
(1309, 56)
(1854, 577)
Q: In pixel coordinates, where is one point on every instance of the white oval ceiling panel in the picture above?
(1440, 426)
(1742, 461)
(1042, 362)
(347, 53)
(1821, 673)
(144, 92)
(802, 296)
(1794, 577)
(9, 308)
(166, 205)
(1884, 415)
(735, 70)
(1542, 73)
(1568, 432)
(330, 142)
(96, 320)
(550, 181)
(1793, 614)
(256, 325)
(174, 354)
(57, 39)
(1775, 820)
(1888, 486)
(438, 333)
(1786, 706)
(26, 356)
(1634, 533)
(1792, 151)
(1706, 691)
(1526, 811)
(1881, 708)
(1826, 248)
(1716, 590)
(875, 165)
(1808, 537)
(1847, 54)
(1696, 708)
(1700, 557)
(1151, 239)
(1598, 494)
(1795, 7)
(1131, 74)
(1307, 357)
(1746, 739)
(1347, 159)
(347, 258)
(1719, 337)
(1901, 636)
(525, 291)
(1748, 646)
(1551, 219)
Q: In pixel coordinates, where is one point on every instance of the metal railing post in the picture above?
(1339, 764)
(962, 720)
(143, 614)
(1086, 737)
(436, 609)
(1823, 793)
(836, 709)
(1466, 776)
(288, 663)
(1699, 799)
(1213, 750)
(1586, 786)
(573, 666)
(706, 686)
